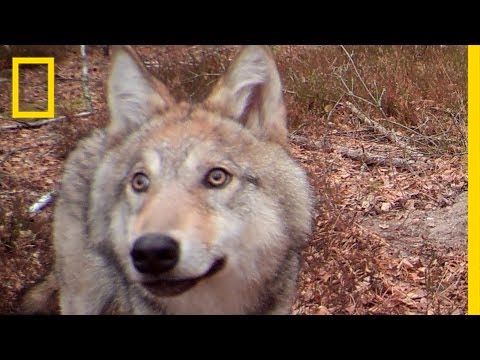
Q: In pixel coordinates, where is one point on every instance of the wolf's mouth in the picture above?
(165, 287)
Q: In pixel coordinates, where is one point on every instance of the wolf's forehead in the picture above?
(193, 141)
(187, 158)
(204, 130)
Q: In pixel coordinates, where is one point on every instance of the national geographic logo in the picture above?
(50, 112)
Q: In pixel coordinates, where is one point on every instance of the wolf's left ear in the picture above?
(134, 95)
(251, 93)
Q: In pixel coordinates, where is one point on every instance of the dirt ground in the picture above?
(444, 226)
(388, 239)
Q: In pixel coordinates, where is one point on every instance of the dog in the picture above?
(181, 208)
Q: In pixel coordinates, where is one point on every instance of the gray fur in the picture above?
(259, 222)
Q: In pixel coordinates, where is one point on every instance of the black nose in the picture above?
(154, 254)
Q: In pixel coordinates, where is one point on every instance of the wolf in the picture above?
(182, 208)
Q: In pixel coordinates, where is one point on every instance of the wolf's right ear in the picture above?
(134, 95)
(251, 94)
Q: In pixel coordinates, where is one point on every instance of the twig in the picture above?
(404, 127)
(390, 135)
(86, 93)
(39, 123)
(303, 141)
(377, 101)
(61, 77)
(333, 108)
(370, 159)
(352, 94)
(23, 123)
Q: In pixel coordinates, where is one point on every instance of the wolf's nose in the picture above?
(154, 254)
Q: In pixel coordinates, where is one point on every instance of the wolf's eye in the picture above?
(140, 182)
(217, 177)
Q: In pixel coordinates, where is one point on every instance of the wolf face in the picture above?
(204, 187)
(184, 208)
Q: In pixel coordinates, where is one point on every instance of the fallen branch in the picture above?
(39, 123)
(370, 159)
(362, 156)
(303, 141)
(390, 135)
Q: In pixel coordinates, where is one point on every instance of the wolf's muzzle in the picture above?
(154, 254)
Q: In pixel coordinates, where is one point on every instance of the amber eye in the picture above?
(140, 182)
(217, 177)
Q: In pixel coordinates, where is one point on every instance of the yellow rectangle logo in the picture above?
(16, 62)
(473, 179)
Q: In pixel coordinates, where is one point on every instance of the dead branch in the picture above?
(39, 123)
(303, 141)
(390, 135)
(377, 102)
(362, 156)
(378, 160)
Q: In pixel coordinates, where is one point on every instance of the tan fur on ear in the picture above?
(251, 93)
(134, 95)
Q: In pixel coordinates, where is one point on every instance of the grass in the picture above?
(417, 91)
